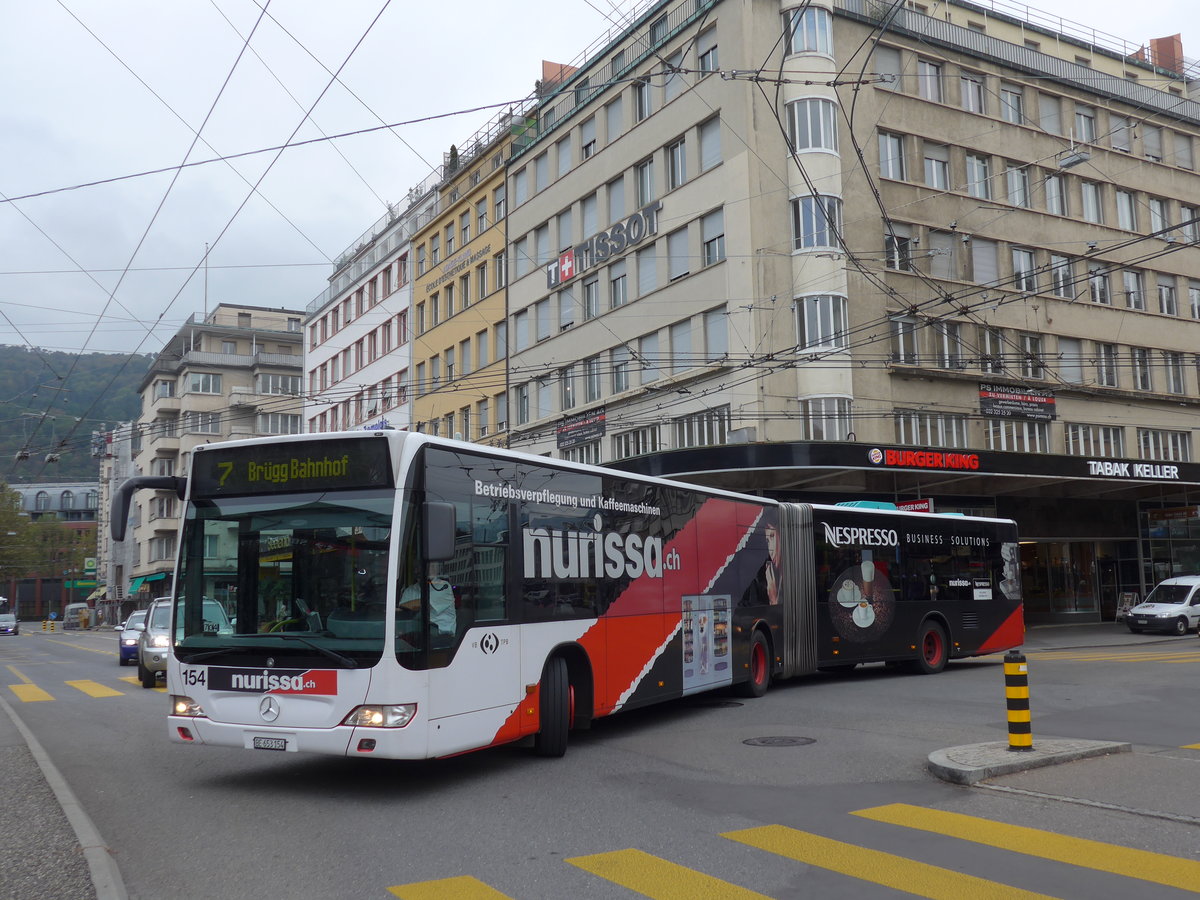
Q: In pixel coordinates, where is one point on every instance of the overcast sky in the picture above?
(93, 90)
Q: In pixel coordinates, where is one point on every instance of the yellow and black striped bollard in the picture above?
(1016, 692)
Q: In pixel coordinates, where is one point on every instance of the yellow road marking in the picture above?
(1190, 747)
(464, 887)
(95, 689)
(80, 646)
(875, 866)
(1142, 864)
(19, 674)
(29, 693)
(659, 879)
(132, 679)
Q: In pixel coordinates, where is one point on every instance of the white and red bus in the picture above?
(398, 595)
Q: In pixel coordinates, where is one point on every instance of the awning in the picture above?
(136, 584)
(97, 594)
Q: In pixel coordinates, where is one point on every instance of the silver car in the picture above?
(154, 643)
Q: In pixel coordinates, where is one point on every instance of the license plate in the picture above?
(1141, 621)
(265, 743)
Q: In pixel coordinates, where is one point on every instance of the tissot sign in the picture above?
(604, 244)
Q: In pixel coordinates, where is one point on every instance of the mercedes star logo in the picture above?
(268, 708)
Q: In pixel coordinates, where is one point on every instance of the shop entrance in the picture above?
(1073, 581)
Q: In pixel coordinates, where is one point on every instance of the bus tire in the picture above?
(554, 696)
(760, 668)
(932, 650)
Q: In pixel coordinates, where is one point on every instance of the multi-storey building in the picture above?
(233, 373)
(840, 249)
(114, 559)
(357, 357)
(459, 345)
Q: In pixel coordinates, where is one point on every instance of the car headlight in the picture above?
(395, 715)
(160, 640)
(129, 642)
(185, 706)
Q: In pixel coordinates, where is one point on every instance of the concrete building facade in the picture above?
(235, 372)
(844, 250)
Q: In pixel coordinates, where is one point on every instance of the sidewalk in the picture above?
(972, 763)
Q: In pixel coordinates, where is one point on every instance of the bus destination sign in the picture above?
(338, 464)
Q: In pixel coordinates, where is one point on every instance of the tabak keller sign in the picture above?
(1008, 401)
(603, 245)
(579, 429)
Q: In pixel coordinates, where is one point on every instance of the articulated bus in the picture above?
(398, 595)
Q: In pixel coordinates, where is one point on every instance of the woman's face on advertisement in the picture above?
(772, 543)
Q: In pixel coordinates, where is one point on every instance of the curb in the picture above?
(976, 762)
(106, 877)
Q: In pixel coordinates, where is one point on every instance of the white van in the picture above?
(77, 615)
(1173, 605)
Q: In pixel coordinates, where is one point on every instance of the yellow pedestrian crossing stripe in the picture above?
(1140, 864)
(29, 693)
(464, 887)
(95, 689)
(660, 879)
(1163, 656)
(875, 866)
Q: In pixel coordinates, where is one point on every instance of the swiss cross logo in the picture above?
(566, 265)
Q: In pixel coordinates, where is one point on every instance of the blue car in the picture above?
(127, 643)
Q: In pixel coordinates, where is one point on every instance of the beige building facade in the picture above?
(801, 249)
(232, 373)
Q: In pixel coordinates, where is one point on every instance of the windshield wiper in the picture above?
(208, 654)
(332, 654)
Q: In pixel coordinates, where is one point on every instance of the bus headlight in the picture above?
(185, 706)
(382, 716)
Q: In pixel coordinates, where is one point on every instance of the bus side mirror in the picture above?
(438, 519)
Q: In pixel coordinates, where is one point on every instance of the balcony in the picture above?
(164, 404)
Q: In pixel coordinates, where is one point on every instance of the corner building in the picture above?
(837, 250)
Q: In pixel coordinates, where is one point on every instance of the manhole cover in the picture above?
(779, 741)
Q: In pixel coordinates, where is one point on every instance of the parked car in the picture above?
(9, 624)
(1173, 606)
(127, 643)
(154, 643)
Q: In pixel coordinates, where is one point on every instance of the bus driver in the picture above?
(441, 603)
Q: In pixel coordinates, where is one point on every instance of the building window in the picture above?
(278, 384)
(1166, 296)
(1031, 356)
(702, 429)
(816, 222)
(1062, 276)
(706, 51)
(937, 166)
(1103, 441)
(278, 423)
(897, 247)
(1018, 436)
(991, 346)
(202, 422)
(825, 419)
(1173, 369)
(591, 379)
(710, 144)
(673, 85)
(1056, 195)
(1017, 179)
(929, 80)
(522, 401)
(678, 263)
(587, 139)
(1106, 365)
(647, 263)
(588, 453)
(972, 93)
(1135, 297)
(618, 285)
(812, 124)
(644, 182)
(1098, 289)
(619, 363)
(950, 348)
(820, 322)
(712, 237)
(809, 30)
(1093, 210)
(1012, 104)
(641, 100)
(676, 164)
(1158, 214)
(979, 176)
(636, 442)
(591, 298)
(904, 341)
(1085, 124)
(566, 381)
(648, 357)
(930, 429)
(204, 383)
(1126, 211)
(1174, 446)
(1024, 270)
(891, 156)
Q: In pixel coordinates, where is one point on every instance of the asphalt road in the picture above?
(685, 798)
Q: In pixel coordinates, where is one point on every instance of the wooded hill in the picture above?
(51, 402)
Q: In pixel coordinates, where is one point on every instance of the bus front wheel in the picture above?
(554, 697)
(760, 668)
(932, 650)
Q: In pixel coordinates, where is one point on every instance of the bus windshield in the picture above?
(301, 576)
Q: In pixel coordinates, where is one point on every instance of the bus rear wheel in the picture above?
(932, 651)
(760, 668)
(554, 696)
